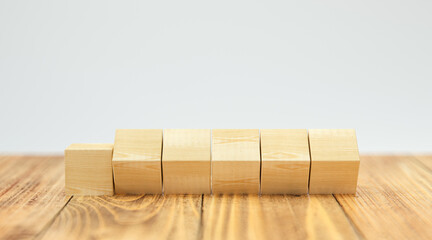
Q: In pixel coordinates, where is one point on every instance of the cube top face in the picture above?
(88, 169)
(333, 145)
(284, 145)
(186, 145)
(138, 145)
(235, 145)
(90, 146)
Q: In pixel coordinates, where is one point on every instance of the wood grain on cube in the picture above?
(285, 161)
(137, 161)
(334, 161)
(186, 161)
(88, 169)
(235, 161)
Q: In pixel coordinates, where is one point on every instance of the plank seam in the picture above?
(261, 163)
(201, 229)
(310, 163)
(45, 228)
(354, 226)
(161, 163)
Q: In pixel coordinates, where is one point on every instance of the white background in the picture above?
(74, 71)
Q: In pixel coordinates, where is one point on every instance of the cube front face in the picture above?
(187, 177)
(137, 161)
(235, 161)
(134, 177)
(235, 177)
(334, 161)
(285, 161)
(334, 177)
(186, 161)
(88, 169)
(279, 177)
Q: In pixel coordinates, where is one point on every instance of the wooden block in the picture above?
(334, 161)
(285, 161)
(88, 169)
(235, 161)
(186, 161)
(137, 161)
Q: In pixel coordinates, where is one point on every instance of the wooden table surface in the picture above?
(393, 201)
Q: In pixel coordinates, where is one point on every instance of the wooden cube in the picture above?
(186, 161)
(137, 161)
(235, 161)
(88, 169)
(285, 161)
(334, 161)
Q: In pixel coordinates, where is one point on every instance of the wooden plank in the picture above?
(393, 202)
(186, 161)
(393, 199)
(334, 161)
(235, 161)
(285, 161)
(128, 217)
(274, 217)
(31, 194)
(425, 160)
(88, 169)
(137, 161)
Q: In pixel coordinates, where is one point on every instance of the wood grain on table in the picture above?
(393, 201)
